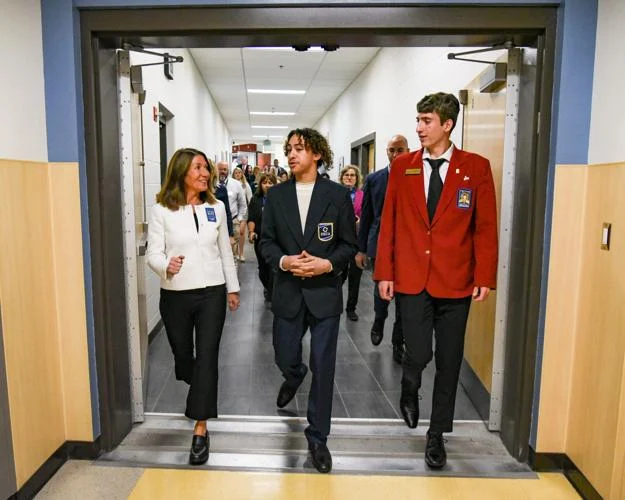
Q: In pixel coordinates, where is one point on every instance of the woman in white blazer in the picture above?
(189, 248)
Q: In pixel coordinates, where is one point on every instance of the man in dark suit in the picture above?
(374, 192)
(437, 250)
(308, 237)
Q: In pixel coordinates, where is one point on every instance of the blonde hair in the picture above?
(347, 169)
(243, 180)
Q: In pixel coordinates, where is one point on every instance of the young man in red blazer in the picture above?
(437, 251)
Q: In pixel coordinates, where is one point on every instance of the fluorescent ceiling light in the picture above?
(270, 126)
(272, 91)
(277, 136)
(269, 113)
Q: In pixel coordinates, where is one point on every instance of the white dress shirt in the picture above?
(236, 197)
(442, 170)
(208, 259)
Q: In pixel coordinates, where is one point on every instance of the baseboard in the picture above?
(154, 331)
(560, 462)
(477, 393)
(77, 450)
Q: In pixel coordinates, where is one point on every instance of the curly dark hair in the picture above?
(446, 106)
(313, 141)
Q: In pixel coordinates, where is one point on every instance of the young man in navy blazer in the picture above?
(374, 192)
(308, 237)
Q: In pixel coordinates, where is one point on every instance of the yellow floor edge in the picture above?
(203, 484)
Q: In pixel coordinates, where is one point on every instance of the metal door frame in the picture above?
(359, 24)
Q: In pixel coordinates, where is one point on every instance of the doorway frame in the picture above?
(357, 25)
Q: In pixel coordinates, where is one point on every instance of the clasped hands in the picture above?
(305, 265)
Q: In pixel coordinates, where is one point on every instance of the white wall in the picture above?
(22, 101)
(384, 98)
(197, 123)
(607, 125)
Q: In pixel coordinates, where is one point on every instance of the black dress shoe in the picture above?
(377, 332)
(398, 354)
(199, 449)
(352, 315)
(435, 455)
(409, 408)
(286, 394)
(321, 458)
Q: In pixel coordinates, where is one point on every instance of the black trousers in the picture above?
(265, 273)
(422, 315)
(352, 274)
(202, 310)
(380, 307)
(287, 342)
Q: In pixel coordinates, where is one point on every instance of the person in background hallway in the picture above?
(283, 175)
(254, 227)
(237, 174)
(276, 163)
(221, 193)
(248, 171)
(374, 192)
(238, 203)
(308, 238)
(446, 197)
(189, 249)
(350, 178)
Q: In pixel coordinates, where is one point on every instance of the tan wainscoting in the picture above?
(582, 393)
(43, 310)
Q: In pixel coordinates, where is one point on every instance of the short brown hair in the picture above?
(172, 194)
(259, 185)
(446, 106)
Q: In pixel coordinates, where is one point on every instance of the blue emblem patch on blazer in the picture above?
(210, 214)
(464, 198)
(325, 231)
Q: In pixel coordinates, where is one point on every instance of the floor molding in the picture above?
(560, 462)
(477, 393)
(77, 450)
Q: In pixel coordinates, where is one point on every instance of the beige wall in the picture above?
(582, 401)
(43, 310)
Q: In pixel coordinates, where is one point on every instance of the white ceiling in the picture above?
(229, 73)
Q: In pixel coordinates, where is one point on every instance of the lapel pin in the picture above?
(457, 170)
(466, 178)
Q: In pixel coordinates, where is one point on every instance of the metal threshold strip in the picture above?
(359, 446)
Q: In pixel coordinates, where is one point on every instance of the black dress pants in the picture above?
(287, 342)
(265, 273)
(352, 274)
(423, 315)
(380, 307)
(202, 310)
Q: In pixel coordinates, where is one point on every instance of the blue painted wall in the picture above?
(63, 85)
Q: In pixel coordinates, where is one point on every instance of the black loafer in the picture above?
(377, 332)
(199, 449)
(398, 354)
(352, 315)
(285, 395)
(409, 408)
(321, 457)
(435, 454)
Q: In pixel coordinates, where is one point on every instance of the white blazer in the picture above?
(208, 259)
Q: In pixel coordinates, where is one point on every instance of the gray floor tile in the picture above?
(368, 405)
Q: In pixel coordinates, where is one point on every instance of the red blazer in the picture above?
(458, 249)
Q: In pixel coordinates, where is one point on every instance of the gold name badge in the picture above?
(413, 171)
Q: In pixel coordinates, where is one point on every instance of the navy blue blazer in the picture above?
(374, 192)
(330, 233)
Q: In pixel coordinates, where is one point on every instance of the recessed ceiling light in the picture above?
(269, 113)
(273, 91)
(270, 126)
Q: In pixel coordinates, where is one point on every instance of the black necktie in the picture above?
(436, 186)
